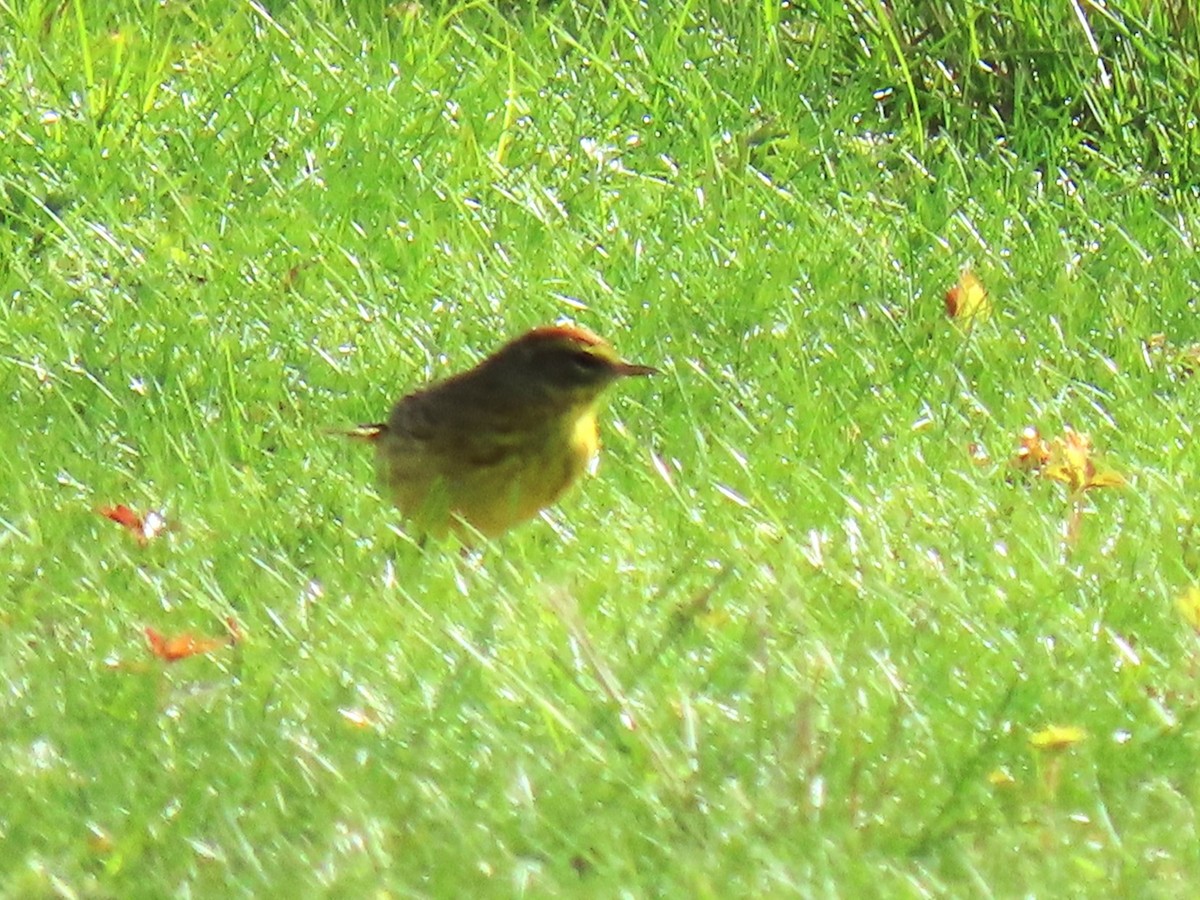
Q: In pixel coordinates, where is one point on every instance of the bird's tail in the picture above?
(361, 432)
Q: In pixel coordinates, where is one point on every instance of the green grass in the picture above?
(791, 640)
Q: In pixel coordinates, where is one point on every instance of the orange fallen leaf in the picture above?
(122, 515)
(968, 298)
(143, 528)
(181, 646)
(1032, 452)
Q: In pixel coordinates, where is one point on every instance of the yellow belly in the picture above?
(522, 479)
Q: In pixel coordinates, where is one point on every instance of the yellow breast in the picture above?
(490, 494)
(585, 437)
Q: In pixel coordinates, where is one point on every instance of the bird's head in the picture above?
(561, 360)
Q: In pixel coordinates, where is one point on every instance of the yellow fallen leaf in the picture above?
(1070, 462)
(1188, 604)
(1057, 737)
(1001, 777)
(968, 298)
(1106, 479)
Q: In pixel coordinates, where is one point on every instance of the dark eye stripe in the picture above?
(587, 360)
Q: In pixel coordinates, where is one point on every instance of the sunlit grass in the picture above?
(808, 630)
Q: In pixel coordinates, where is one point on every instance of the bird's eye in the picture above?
(587, 361)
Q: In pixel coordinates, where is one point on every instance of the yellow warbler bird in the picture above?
(493, 446)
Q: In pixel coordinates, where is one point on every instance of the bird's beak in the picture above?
(624, 369)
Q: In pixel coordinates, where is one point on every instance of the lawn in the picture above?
(829, 620)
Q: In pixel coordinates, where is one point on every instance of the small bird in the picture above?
(488, 448)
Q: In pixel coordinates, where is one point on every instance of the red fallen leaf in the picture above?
(181, 646)
(144, 529)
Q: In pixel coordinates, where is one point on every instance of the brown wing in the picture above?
(462, 423)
